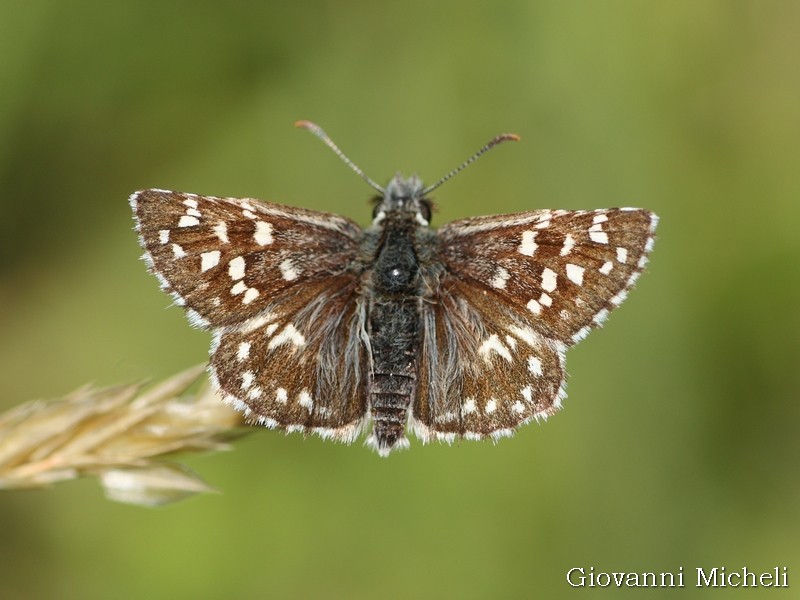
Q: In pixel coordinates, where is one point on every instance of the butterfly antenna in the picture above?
(503, 137)
(320, 133)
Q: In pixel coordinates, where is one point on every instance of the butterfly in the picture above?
(321, 326)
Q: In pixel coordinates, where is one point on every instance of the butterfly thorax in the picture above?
(394, 319)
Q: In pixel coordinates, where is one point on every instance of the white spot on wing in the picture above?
(600, 237)
(575, 274)
(163, 235)
(606, 268)
(288, 271)
(548, 280)
(500, 278)
(281, 395)
(518, 407)
(534, 306)
(494, 343)
(545, 300)
(236, 268)
(288, 335)
(305, 400)
(528, 245)
(469, 406)
(251, 325)
(247, 379)
(238, 288)
(188, 221)
(221, 231)
(526, 335)
(250, 295)
(243, 352)
(622, 254)
(491, 406)
(177, 251)
(263, 234)
(569, 244)
(535, 366)
(209, 260)
(527, 394)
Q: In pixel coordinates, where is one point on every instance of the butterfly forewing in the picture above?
(564, 271)
(226, 259)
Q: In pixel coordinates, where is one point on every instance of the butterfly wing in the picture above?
(279, 287)
(516, 292)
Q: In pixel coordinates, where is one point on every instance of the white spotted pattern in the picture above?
(238, 288)
(209, 260)
(250, 295)
(188, 221)
(221, 231)
(494, 344)
(247, 379)
(263, 234)
(288, 270)
(305, 400)
(528, 245)
(548, 280)
(569, 244)
(236, 268)
(575, 274)
(243, 353)
(289, 335)
(500, 278)
(535, 366)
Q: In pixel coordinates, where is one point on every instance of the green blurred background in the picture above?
(679, 442)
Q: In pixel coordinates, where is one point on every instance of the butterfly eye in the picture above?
(425, 209)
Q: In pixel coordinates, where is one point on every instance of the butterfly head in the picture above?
(403, 196)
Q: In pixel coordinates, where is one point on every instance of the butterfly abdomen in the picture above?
(394, 325)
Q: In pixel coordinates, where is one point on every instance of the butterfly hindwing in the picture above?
(484, 370)
(302, 366)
